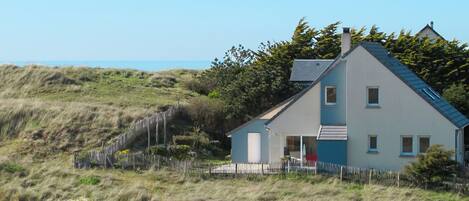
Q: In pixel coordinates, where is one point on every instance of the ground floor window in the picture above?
(407, 145)
(424, 143)
(372, 143)
(301, 148)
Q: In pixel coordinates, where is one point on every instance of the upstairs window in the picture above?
(372, 96)
(331, 95)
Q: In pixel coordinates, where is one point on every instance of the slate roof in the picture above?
(308, 70)
(415, 83)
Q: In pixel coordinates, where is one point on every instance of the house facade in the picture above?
(363, 109)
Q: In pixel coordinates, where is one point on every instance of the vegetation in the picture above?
(433, 167)
(57, 180)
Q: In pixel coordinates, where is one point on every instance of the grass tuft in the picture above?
(90, 180)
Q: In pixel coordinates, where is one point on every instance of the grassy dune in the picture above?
(46, 113)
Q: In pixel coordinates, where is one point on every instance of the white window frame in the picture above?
(368, 96)
(402, 145)
(369, 143)
(325, 95)
(418, 142)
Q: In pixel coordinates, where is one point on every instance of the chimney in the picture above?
(346, 41)
(431, 24)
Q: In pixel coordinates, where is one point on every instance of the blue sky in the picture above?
(195, 30)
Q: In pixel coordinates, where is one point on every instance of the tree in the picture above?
(433, 167)
(458, 95)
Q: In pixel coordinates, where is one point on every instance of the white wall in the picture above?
(300, 118)
(402, 112)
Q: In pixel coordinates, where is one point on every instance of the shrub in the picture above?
(207, 113)
(162, 81)
(180, 152)
(184, 140)
(12, 168)
(197, 86)
(433, 167)
(158, 150)
(90, 180)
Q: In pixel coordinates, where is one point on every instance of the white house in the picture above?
(362, 109)
(429, 32)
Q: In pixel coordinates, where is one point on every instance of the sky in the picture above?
(195, 30)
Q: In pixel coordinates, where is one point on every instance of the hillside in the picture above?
(52, 110)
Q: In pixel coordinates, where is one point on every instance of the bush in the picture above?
(180, 152)
(433, 167)
(90, 180)
(197, 86)
(162, 81)
(12, 168)
(207, 113)
(158, 150)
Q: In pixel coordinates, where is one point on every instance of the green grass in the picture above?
(90, 180)
(11, 168)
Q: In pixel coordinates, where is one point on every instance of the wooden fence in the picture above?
(105, 155)
(204, 168)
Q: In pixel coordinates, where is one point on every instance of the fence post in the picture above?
(262, 168)
(288, 166)
(236, 169)
(369, 177)
(398, 178)
(210, 169)
(148, 130)
(341, 172)
(315, 167)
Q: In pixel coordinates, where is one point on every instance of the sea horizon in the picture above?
(143, 65)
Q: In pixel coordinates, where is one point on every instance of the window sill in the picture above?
(330, 104)
(402, 155)
(372, 152)
(373, 106)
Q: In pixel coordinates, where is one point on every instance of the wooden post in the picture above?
(341, 172)
(210, 169)
(315, 167)
(398, 178)
(236, 169)
(262, 168)
(148, 130)
(164, 127)
(369, 177)
(156, 133)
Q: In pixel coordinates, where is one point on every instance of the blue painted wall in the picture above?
(334, 114)
(332, 151)
(239, 142)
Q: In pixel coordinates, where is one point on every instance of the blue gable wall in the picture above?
(332, 151)
(334, 114)
(239, 141)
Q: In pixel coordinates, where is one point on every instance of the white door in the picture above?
(254, 147)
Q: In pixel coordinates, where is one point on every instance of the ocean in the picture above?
(144, 65)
